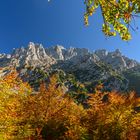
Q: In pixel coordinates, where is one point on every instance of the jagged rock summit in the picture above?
(87, 67)
(32, 55)
(37, 55)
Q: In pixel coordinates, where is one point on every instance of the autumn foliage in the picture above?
(50, 114)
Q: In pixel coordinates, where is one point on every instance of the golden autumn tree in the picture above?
(12, 92)
(52, 114)
(113, 116)
(46, 114)
(117, 15)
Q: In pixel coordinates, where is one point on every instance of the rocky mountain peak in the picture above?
(36, 51)
(37, 55)
(117, 52)
(31, 45)
(76, 53)
(59, 47)
(86, 66)
(57, 52)
(115, 59)
(101, 53)
(33, 54)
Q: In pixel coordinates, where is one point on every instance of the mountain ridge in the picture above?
(36, 52)
(110, 68)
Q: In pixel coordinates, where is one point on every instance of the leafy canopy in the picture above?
(117, 15)
(50, 114)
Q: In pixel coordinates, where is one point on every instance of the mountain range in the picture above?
(75, 66)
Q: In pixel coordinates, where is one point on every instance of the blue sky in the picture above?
(57, 22)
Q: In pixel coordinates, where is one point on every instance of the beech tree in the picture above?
(117, 15)
(12, 93)
(117, 118)
(50, 114)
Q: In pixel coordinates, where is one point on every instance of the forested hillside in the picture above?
(50, 114)
(75, 66)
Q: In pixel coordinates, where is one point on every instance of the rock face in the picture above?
(37, 55)
(57, 52)
(4, 60)
(116, 59)
(101, 65)
(33, 55)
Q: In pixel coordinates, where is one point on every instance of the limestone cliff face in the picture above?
(33, 55)
(57, 52)
(37, 55)
(116, 59)
(86, 66)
